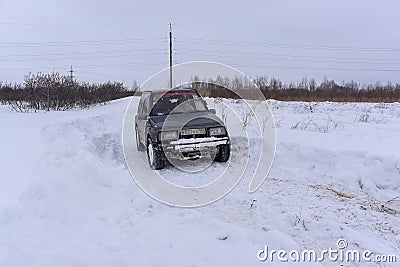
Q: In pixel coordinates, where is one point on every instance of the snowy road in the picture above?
(67, 199)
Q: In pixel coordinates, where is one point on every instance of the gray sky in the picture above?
(126, 40)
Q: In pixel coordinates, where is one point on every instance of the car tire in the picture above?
(223, 153)
(139, 145)
(155, 156)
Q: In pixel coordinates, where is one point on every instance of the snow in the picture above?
(67, 198)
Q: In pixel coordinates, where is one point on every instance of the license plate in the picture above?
(193, 131)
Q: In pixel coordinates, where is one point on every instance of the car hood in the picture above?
(186, 120)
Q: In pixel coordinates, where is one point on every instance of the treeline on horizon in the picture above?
(305, 90)
(55, 91)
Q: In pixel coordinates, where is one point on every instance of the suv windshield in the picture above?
(177, 102)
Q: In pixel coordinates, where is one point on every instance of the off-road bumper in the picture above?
(193, 147)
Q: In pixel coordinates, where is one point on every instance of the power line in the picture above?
(90, 66)
(294, 60)
(78, 58)
(230, 53)
(286, 55)
(284, 45)
(81, 53)
(308, 68)
(81, 43)
(84, 41)
(234, 65)
(108, 24)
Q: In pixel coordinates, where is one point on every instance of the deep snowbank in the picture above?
(67, 199)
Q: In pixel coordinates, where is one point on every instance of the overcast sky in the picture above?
(126, 40)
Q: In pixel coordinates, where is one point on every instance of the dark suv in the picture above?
(177, 124)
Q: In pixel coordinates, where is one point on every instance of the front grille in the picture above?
(192, 136)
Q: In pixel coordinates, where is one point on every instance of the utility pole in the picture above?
(170, 56)
(71, 74)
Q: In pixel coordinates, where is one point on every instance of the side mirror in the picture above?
(212, 111)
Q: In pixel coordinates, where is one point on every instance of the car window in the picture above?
(182, 102)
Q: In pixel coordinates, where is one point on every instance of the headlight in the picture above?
(217, 131)
(168, 135)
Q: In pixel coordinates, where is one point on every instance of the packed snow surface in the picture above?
(67, 198)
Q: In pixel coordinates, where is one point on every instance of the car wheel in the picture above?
(154, 156)
(223, 153)
(139, 145)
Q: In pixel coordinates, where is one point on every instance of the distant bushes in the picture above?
(306, 90)
(58, 92)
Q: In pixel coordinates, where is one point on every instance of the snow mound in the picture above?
(67, 199)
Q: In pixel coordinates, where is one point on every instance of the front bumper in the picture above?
(193, 147)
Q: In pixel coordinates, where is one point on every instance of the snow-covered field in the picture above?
(67, 198)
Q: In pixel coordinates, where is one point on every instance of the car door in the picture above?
(143, 113)
(139, 115)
